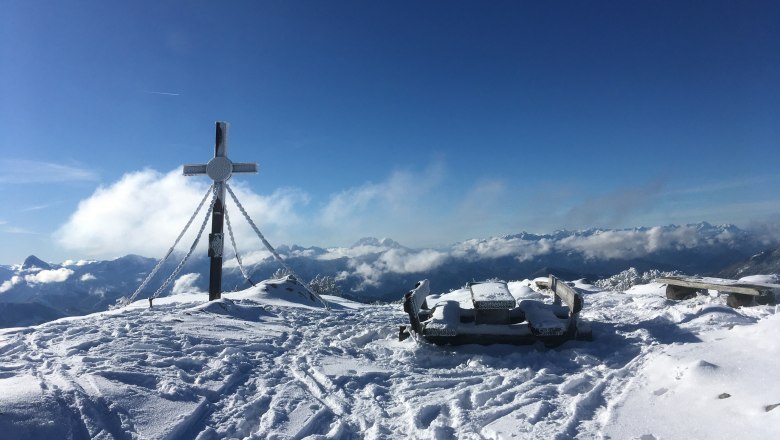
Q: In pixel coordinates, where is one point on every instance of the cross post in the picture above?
(219, 169)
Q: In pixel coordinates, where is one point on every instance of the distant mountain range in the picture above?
(764, 262)
(382, 269)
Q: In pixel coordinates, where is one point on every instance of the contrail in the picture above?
(162, 93)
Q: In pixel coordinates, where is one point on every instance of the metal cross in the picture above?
(219, 169)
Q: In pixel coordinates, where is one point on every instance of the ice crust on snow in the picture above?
(269, 362)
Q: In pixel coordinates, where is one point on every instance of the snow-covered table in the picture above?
(491, 296)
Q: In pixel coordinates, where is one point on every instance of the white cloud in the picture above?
(615, 208)
(8, 229)
(396, 261)
(78, 263)
(638, 243)
(603, 245)
(370, 268)
(767, 230)
(359, 251)
(249, 259)
(615, 244)
(498, 247)
(38, 207)
(30, 171)
(348, 204)
(402, 261)
(270, 213)
(482, 202)
(392, 206)
(145, 211)
(186, 284)
(88, 277)
(8, 284)
(49, 276)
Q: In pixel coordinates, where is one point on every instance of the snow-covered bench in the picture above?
(487, 313)
(739, 293)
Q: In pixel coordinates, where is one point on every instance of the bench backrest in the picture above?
(564, 292)
(414, 301)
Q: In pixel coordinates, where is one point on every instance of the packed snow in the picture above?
(270, 363)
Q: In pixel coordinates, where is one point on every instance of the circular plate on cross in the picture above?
(219, 169)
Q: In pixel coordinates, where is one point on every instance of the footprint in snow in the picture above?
(426, 415)
(578, 385)
(660, 391)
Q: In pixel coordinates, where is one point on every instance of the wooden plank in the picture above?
(566, 293)
(726, 286)
(542, 319)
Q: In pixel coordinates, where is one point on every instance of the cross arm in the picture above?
(238, 167)
(244, 167)
(194, 170)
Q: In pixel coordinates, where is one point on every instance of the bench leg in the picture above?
(678, 293)
(737, 300)
(403, 333)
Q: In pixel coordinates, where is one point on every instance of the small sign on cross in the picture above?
(219, 169)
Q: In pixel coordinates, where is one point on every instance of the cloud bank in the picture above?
(601, 244)
(398, 261)
(37, 276)
(369, 264)
(145, 211)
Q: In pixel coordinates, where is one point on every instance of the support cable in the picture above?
(125, 301)
(192, 248)
(235, 250)
(272, 250)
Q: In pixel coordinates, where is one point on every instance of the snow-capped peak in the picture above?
(373, 241)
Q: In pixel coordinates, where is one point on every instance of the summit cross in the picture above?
(219, 169)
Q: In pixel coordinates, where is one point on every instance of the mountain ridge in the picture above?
(374, 269)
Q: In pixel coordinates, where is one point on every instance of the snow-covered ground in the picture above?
(268, 363)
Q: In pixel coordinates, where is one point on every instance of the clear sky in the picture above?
(427, 121)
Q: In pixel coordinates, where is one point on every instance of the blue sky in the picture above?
(428, 122)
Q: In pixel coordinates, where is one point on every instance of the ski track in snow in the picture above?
(246, 369)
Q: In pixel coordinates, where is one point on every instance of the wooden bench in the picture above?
(739, 293)
(490, 314)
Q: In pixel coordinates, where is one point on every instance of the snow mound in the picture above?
(720, 388)
(227, 307)
(285, 291)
